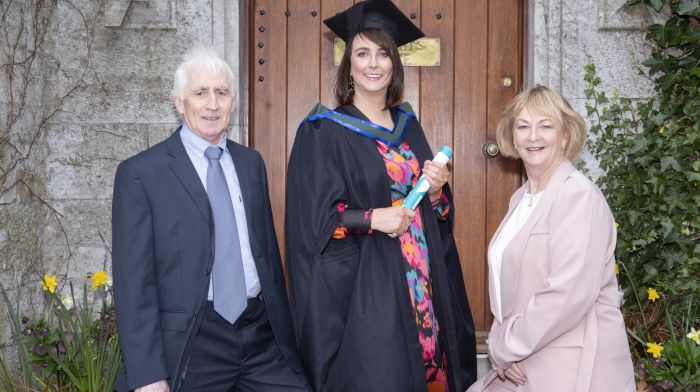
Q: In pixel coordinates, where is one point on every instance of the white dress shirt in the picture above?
(195, 146)
(515, 222)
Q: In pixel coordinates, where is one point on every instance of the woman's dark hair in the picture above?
(384, 41)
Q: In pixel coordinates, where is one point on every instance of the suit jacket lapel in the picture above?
(183, 168)
(245, 178)
(514, 200)
(513, 254)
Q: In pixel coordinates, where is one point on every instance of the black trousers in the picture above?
(243, 357)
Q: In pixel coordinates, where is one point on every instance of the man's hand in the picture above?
(159, 386)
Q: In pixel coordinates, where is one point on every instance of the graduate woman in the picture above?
(376, 289)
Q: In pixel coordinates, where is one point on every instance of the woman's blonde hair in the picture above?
(543, 101)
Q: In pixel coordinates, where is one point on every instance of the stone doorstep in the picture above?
(482, 360)
(482, 365)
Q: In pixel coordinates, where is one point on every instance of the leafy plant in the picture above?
(674, 364)
(70, 348)
(678, 369)
(9, 381)
(649, 155)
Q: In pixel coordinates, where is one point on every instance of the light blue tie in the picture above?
(230, 297)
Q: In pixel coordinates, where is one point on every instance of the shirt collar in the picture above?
(196, 144)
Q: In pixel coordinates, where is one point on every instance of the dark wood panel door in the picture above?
(291, 68)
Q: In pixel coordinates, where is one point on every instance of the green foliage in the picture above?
(8, 380)
(649, 155)
(68, 348)
(678, 368)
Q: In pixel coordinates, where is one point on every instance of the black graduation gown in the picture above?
(350, 301)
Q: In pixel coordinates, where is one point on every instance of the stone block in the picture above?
(82, 223)
(140, 14)
(82, 159)
(566, 34)
(616, 15)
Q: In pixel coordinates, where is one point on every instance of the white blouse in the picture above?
(515, 222)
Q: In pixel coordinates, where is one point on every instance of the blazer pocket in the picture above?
(173, 320)
(573, 338)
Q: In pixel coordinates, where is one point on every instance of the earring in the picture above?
(351, 86)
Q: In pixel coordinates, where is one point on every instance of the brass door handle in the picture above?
(490, 149)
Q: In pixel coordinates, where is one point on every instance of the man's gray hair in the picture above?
(201, 58)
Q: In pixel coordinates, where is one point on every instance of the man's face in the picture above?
(207, 105)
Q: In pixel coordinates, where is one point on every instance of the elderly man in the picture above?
(198, 282)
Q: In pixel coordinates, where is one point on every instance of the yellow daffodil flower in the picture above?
(655, 349)
(99, 279)
(694, 336)
(617, 226)
(617, 269)
(653, 294)
(49, 283)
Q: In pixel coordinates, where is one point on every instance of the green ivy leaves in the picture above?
(649, 155)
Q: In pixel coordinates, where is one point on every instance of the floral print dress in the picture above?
(403, 169)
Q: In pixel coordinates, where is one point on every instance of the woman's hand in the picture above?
(392, 219)
(499, 372)
(437, 175)
(515, 374)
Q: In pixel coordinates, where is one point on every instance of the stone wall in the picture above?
(108, 66)
(564, 35)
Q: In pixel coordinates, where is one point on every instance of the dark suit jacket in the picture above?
(162, 238)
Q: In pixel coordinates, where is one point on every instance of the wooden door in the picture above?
(458, 103)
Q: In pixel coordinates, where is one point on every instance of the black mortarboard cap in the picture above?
(380, 14)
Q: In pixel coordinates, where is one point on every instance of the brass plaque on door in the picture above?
(424, 52)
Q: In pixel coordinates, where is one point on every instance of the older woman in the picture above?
(377, 291)
(554, 296)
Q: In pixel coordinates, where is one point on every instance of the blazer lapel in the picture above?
(245, 181)
(513, 254)
(514, 200)
(181, 165)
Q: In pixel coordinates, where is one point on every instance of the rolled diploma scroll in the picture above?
(414, 197)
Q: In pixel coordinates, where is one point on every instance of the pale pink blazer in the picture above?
(559, 295)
